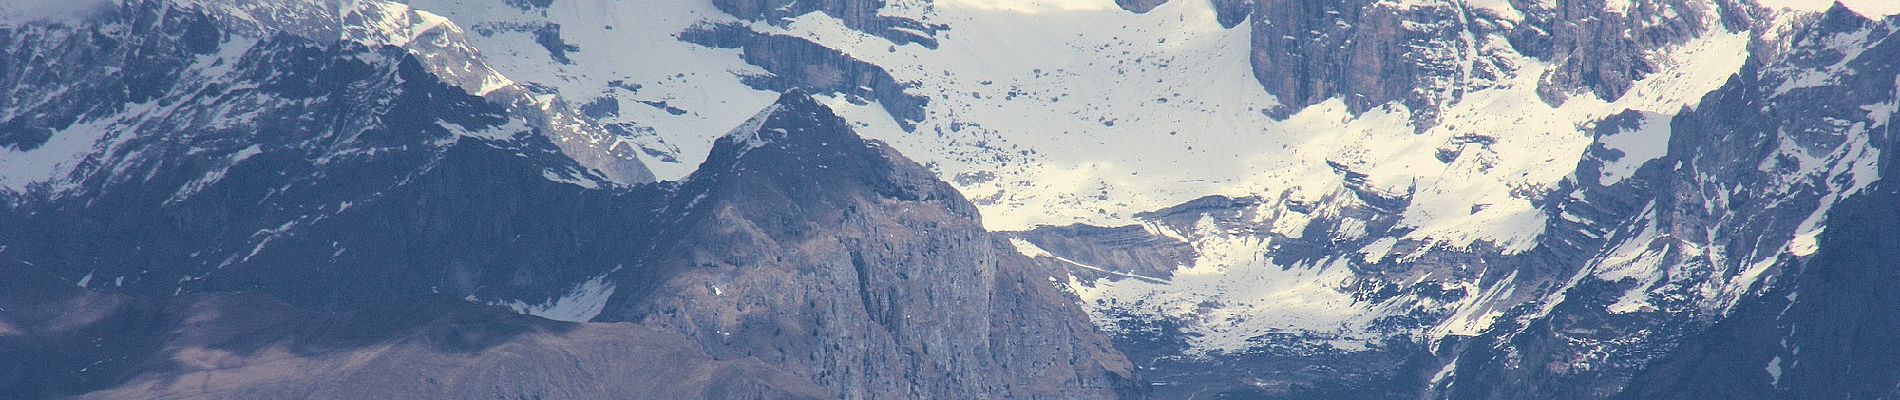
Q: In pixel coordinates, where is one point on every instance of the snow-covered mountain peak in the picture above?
(431, 38)
(444, 48)
(228, 47)
(798, 130)
(368, 21)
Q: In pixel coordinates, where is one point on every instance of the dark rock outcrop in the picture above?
(57, 340)
(860, 15)
(1129, 251)
(1140, 6)
(800, 64)
(838, 259)
(1425, 55)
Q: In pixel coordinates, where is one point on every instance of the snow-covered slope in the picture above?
(212, 150)
(623, 64)
(1058, 112)
(1065, 112)
(436, 42)
(1513, 175)
(1673, 214)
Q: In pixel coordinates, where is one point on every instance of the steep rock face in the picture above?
(1806, 330)
(1419, 54)
(33, 52)
(799, 64)
(1362, 52)
(841, 261)
(1755, 174)
(443, 49)
(1424, 55)
(1818, 334)
(1602, 46)
(1134, 250)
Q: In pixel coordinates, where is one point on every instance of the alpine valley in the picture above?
(948, 199)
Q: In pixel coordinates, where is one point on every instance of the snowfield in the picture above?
(1066, 111)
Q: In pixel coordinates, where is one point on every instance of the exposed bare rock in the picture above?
(1114, 253)
(839, 260)
(1426, 54)
(856, 14)
(1140, 6)
(1602, 51)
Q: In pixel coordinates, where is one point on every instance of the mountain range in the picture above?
(867, 199)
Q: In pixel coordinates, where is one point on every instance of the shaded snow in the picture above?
(1649, 141)
(1030, 250)
(747, 134)
(1638, 260)
(1233, 295)
(629, 53)
(581, 304)
(1774, 371)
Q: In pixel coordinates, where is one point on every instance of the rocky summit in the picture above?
(945, 199)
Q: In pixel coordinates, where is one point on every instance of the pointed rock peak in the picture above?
(798, 98)
(797, 146)
(747, 134)
(794, 118)
(1839, 17)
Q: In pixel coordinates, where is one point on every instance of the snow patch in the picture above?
(1233, 296)
(1030, 250)
(1774, 371)
(1649, 141)
(629, 54)
(1477, 313)
(1637, 260)
(581, 304)
(1378, 249)
(1501, 8)
(1806, 244)
(747, 133)
(57, 157)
